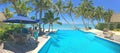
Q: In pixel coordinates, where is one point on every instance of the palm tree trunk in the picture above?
(72, 20)
(52, 26)
(64, 18)
(43, 27)
(93, 23)
(36, 15)
(88, 24)
(40, 15)
(61, 14)
(17, 10)
(49, 28)
(84, 23)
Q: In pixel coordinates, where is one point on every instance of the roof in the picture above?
(2, 17)
(115, 18)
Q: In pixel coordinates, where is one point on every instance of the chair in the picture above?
(108, 34)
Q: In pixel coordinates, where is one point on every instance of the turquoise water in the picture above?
(64, 26)
(74, 41)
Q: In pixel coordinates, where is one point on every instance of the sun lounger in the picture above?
(108, 34)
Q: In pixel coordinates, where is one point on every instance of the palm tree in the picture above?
(107, 16)
(51, 19)
(69, 10)
(23, 8)
(19, 6)
(7, 13)
(92, 17)
(59, 9)
(99, 13)
(45, 21)
(83, 10)
(40, 6)
(33, 18)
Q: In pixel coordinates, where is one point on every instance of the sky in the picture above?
(106, 4)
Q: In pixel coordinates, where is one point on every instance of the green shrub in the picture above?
(89, 28)
(101, 26)
(116, 29)
(7, 29)
(118, 26)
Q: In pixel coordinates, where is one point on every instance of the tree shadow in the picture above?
(20, 47)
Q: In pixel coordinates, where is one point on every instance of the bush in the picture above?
(7, 29)
(89, 28)
(101, 26)
(118, 26)
(116, 29)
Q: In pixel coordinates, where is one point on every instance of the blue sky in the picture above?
(107, 4)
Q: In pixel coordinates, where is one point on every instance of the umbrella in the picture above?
(39, 21)
(20, 19)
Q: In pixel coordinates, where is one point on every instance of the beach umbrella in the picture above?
(39, 21)
(20, 19)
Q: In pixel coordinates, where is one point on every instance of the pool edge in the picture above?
(98, 35)
(40, 45)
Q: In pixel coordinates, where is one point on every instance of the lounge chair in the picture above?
(108, 34)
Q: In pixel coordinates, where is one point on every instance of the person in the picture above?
(30, 31)
(36, 32)
(24, 30)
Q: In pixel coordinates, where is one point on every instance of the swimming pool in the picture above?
(75, 41)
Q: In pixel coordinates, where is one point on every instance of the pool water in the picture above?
(76, 41)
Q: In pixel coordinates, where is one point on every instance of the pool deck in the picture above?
(42, 41)
(100, 34)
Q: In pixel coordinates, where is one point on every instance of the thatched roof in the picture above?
(115, 18)
(2, 17)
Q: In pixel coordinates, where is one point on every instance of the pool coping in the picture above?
(42, 43)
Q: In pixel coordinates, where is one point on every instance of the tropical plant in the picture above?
(99, 13)
(101, 26)
(69, 8)
(84, 10)
(33, 18)
(107, 16)
(59, 9)
(8, 29)
(7, 13)
(40, 6)
(92, 16)
(19, 6)
(51, 19)
(45, 21)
